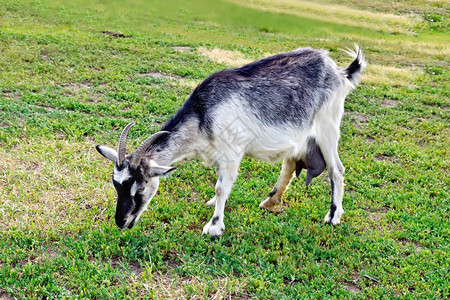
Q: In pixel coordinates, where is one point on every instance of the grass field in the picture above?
(74, 73)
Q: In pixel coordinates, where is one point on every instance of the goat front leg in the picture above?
(226, 178)
(275, 196)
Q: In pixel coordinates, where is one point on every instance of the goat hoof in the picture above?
(216, 229)
(211, 202)
(336, 218)
(268, 204)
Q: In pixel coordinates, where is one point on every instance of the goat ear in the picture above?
(107, 152)
(160, 171)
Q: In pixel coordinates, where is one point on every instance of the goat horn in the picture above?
(139, 153)
(122, 144)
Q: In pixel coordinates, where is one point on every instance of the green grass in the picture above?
(65, 86)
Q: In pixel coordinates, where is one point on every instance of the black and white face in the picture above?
(136, 184)
(134, 192)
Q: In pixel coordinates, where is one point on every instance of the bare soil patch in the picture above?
(116, 34)
(417, 245)
(370, 139)
(155, 75)
(227, 57)
(5, 296)
(378, 214)
(389, 103)
(352, 287)
(9, 95)
(382, 157)
(179, 79)
(359, 119)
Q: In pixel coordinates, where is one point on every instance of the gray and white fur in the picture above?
(287, 107)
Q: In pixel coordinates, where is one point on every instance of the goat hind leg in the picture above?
(275, 196)
(212, 202)
(336, 173)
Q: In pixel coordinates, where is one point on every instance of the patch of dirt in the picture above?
(5, 296)
(370, 139)
(155, 75)
(9, 95)
(378, 214)
(116, 34)
(382, 157)
(389, 103)
(352, 287)
(360, 119)
(227, 57)
(136, 268)
(181, 80)
(52, 253)
(351, 284)
(417, 246)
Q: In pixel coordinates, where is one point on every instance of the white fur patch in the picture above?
(121, 176)
(133, 189)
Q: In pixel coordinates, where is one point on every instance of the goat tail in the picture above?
(354, 70)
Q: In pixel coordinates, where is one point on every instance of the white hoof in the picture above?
(336, 218)
(214, 227)
(211, 202)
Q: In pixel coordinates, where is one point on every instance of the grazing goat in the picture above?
(285, 107)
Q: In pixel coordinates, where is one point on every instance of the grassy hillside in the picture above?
(74, 73)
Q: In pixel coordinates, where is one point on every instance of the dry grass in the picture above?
(379, 75)
(41, 184)
(399, 6)
(406, 51)
(227, 57)
(169, 286)
(337, 14)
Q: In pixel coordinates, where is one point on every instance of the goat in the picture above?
(285, 107)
